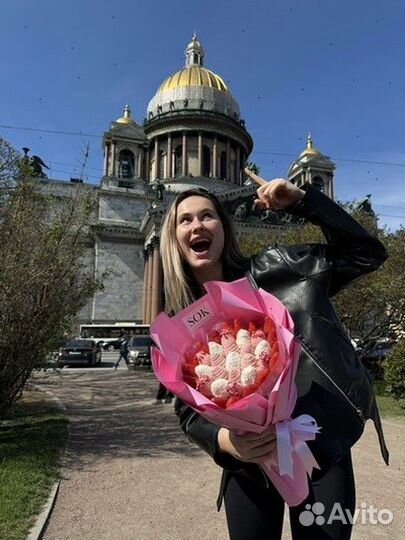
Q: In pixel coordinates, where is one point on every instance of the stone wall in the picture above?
(121, 298)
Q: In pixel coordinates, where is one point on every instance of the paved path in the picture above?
(130, 474)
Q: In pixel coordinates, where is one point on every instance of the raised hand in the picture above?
(276, 194)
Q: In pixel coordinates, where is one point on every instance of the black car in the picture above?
(139, 350)
(79, 351)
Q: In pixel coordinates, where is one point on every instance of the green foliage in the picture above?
(250, 244)
(394, 369)
(387, 404)
(9, 163)
(30, 446)
(43, 279)
(374, 307)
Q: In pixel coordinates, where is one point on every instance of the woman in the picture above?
(197, 245)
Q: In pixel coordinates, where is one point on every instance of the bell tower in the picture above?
(314, 168)
(124, 146)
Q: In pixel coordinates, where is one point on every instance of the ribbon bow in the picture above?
(291, 436)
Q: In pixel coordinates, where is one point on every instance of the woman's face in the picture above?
(200, 236)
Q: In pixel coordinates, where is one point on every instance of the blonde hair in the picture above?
(178, 287)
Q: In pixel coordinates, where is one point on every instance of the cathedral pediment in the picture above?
(129, 131)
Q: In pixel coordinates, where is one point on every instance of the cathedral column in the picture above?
(149, 285)
(156, 173)
(215, 157)
(114, 156)
(106, 157)
(228, 160)
(169, 156)
(184, 155)
(330, 186)
(238, 167)
(200, 155)
(147, 166)
(156, 282)
(145, 284)
(244, 161)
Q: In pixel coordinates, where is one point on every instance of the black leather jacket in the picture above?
(333, 386)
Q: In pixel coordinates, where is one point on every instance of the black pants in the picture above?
(163, 392)
(255, 512)
(123, 355)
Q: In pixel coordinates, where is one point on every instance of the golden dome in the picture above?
(126, 118)
(193, 75)
(310, 150)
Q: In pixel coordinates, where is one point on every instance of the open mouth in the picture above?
(200, 245)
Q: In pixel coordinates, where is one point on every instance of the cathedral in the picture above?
(193, 135)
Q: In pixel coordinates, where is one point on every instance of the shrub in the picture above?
(394, 368)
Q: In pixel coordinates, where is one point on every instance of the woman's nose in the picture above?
(197, 224)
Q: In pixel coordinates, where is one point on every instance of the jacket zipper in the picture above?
(357, 409)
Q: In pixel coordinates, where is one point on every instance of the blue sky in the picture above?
(334, 68)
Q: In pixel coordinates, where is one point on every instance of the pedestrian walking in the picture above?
(123, 352)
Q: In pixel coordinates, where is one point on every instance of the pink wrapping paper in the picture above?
(289, 466)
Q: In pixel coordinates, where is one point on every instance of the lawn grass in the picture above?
(31, 441)
(388, 405)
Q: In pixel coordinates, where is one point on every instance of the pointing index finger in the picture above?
(258, 179)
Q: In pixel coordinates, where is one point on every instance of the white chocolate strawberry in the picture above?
(229, 344)
(242, 337)
(203, 370)
(248, 376)
(215, 349)
(247, 347)
(232, 365)
(247, 359)
(232, 361)
(217, 354)
(219, 372)
(262, 348)
(218, 388)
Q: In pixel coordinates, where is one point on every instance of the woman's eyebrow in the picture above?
(201, 211)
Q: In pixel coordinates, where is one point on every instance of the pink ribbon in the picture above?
(291, 437)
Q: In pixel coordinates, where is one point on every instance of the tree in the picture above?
(374, 306)
(9, 163)
(43, 280)
(394, 367)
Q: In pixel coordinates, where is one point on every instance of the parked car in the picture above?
(139, 348)
(79, 351)
(113, 345)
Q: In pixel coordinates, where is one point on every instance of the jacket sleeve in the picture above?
(203, 433)
(351, 250)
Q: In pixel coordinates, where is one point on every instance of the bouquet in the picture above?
(232, 357)
(234, 362)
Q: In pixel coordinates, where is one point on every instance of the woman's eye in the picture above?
(184, 219)
(207, 215)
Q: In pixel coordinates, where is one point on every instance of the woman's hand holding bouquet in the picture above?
(232, 357)
(248, 447)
